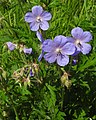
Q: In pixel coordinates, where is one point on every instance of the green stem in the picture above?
(62, 102)
(17, 118)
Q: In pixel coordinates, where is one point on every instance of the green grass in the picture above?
(42, 100)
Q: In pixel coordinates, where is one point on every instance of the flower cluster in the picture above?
(59, 49)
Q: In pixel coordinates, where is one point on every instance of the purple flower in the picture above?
(38, 18)
(39, 36)
(58, 50)
(31, 73)
(75, 60)
(80, 39)
(11, 46)
(27, 50)
(41, 56)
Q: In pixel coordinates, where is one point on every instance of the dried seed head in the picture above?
(68, 83)
(64, 78)
(35, 67)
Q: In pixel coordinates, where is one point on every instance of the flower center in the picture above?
(58, 50)
(38, 19)
(77, 43)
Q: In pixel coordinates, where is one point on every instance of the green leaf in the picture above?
(90, 62)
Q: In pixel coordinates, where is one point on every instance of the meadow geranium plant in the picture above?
(38, 18)
(32, 90)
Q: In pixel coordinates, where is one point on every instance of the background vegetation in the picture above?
(43, 97)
